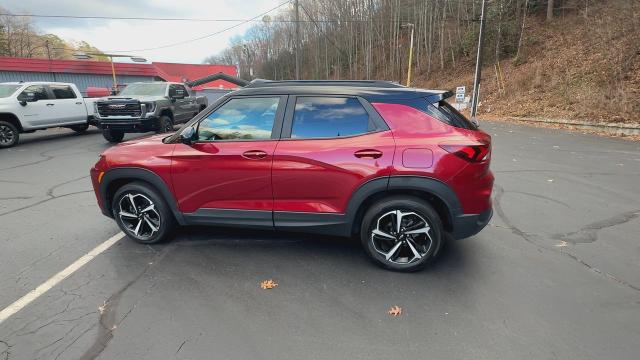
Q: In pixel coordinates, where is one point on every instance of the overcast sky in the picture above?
(111, 35)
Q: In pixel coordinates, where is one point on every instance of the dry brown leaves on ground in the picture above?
(395, 311)
(268, 284)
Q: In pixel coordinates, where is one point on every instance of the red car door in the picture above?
(330, 146)
(226, 173)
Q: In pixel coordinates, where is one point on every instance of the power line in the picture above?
(324, 33)
(203, 36)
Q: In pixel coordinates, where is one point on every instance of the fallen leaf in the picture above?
(102, 307)
(562, 244)
(395, 311)
(268, 284)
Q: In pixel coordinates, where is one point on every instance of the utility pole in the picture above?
(410, 55)
(297, 40)
(476, 81)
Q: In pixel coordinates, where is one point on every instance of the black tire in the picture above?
(137, 223)
(79, 128)
(164, 124)
(413, 211)
(9, 135)
(113, 136)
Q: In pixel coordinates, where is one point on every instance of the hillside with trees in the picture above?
(542, 58)
(19, 37)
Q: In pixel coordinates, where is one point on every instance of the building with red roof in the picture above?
(90, 73)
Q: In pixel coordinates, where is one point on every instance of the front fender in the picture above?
(137, 174)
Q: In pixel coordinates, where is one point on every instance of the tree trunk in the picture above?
(550, 10)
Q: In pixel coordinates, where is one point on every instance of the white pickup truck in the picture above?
(29, 106)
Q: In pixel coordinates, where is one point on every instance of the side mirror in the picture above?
(187, 135)
(27, 98)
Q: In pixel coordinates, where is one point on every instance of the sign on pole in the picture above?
(460, 94)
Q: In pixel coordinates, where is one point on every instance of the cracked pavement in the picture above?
(556, 274)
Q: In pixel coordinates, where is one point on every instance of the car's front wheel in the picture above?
(9, 134)
(142, 213)
(401, 233)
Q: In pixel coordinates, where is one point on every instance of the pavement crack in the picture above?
(51, 189)
(107, 323)
(5, 350)
(497, 204)
(44, 201)
(616, 220)
(589, 233)
(180, 348)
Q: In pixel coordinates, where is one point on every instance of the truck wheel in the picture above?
(9, 135)
(164, 124)
(113, 136)
(79, 128)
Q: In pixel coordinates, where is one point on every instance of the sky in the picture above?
(132, 36)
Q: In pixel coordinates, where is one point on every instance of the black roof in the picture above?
(355, 83)
(368, 89)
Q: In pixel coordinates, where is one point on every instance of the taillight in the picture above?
(472, 153)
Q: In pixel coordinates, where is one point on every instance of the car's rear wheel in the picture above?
(164, 124)
(401, 233)
(9, 134)
(142, 213)
(113, 136)
(79, 128)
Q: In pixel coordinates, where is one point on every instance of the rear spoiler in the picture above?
(434, 98)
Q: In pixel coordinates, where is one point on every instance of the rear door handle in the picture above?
(78, 103)
(254, 154)
(50, 104)
(368, 153)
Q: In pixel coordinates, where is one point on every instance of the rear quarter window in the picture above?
(442, 111)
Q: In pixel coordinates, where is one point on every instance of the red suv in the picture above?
(398, 167)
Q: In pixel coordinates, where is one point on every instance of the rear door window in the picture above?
(62, 91)
(327, 117)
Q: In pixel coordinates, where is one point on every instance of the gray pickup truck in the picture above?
(143, 107)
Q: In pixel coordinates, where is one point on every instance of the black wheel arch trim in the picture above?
(140, 174)
(403, 182)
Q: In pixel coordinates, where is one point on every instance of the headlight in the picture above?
(151, 107)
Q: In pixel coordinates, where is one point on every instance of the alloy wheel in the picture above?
(6, 135)
(401, 237)
(139, 215)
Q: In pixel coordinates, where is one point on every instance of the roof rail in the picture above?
(258, 83)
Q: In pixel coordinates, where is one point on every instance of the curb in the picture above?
(614, 128)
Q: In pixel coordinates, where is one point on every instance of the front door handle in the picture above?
(254, 154)
(50, 104)
(368, 153)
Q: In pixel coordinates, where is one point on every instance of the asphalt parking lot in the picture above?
(556, 274)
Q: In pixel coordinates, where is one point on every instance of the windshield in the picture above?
(145, 89)
(7, 90)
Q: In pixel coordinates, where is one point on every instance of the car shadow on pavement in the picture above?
(53, 136)
(340, 252)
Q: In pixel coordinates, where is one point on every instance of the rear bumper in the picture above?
(468, 225)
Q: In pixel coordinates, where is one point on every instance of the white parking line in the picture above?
(57, 278)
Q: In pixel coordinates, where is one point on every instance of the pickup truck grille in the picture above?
(119, 109)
